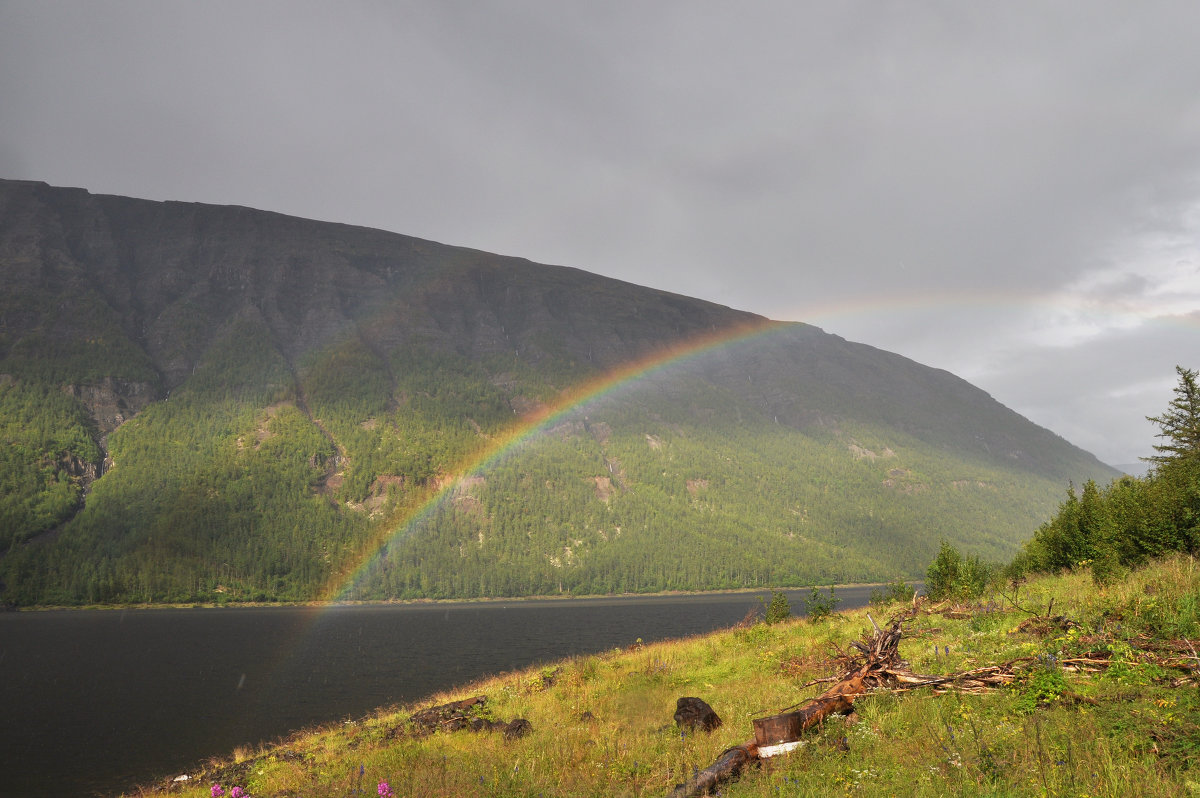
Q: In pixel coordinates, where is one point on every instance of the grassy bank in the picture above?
(602, 725)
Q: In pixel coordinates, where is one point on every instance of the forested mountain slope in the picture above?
(204, 401)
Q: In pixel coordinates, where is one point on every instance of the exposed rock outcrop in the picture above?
(112, 402)
(469, 713)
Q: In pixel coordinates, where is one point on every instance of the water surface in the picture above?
(96, 702)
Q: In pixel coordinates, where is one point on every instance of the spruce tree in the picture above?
(1180, 424)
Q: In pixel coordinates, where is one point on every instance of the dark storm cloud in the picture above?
(986, 187)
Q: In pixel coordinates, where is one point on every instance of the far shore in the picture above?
(427, 601)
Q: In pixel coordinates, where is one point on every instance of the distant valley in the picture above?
(208, 403)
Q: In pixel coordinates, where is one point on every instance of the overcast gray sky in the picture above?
(1007, 190)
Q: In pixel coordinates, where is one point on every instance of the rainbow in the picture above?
(343, 583)
(1014, 306)
(532, 425)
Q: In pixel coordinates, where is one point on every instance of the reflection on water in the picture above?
(100, 701)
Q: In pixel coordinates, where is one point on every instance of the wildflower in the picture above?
(385, 790)
(217, 791)
(238, 792)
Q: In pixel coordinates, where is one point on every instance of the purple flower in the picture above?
(238, 792)
(385, 791)
(217, 792)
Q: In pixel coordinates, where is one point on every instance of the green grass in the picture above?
(1124, 731)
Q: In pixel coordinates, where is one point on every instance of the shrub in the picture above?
(818, 605)
(893, 592)
(953, 576)
(1042, 685)
(778, 610)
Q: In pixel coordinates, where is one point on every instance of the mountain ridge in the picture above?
(390, 361)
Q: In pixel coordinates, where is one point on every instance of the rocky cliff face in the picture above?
(112, 402)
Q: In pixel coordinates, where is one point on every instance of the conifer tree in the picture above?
(1180, 424)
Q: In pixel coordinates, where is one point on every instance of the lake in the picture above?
(96, 702)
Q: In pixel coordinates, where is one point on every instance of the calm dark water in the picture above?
(98, 702)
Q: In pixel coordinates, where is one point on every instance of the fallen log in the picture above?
(866, 669)
(728, 766)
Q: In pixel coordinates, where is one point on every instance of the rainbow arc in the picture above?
(531, 426)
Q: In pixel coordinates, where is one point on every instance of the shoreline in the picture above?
(316, 604)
